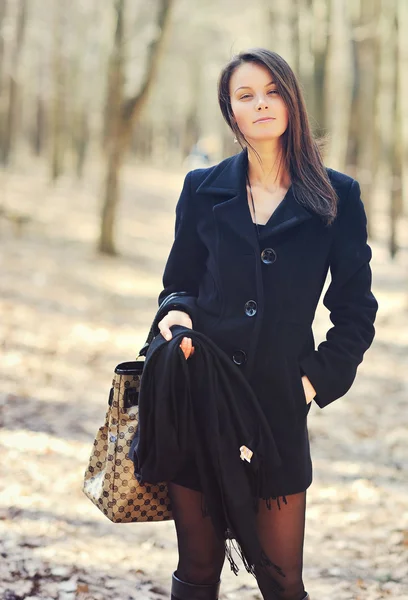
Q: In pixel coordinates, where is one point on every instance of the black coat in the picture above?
(258, 305)
(205, 408)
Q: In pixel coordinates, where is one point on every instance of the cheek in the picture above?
(283, 113)
(241, 122)
(241, 116)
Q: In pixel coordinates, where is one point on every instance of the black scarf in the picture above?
(204, 407)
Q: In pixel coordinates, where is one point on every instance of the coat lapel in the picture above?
(228, 182)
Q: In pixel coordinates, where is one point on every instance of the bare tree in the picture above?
(402, 91)
(13, 99)
(363, 132)
(58, 140)
(338, 84)
(39, 125)
(385, 108)
(191, 124)
(282, 18)
(3, 11)
(122, 113)
(396, 154)
(305, 59)
(319, 49)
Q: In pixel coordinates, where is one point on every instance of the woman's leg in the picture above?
(281, 533)
(201, 552)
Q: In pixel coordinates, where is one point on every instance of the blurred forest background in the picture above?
(104, 106)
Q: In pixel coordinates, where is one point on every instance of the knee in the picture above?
(200, 571)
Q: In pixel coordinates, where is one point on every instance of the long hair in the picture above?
(300, 152)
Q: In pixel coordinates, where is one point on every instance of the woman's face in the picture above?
(254, 96)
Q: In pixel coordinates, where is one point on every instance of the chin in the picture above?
(265, 138)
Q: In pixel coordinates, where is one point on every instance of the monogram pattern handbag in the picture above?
(109, 480)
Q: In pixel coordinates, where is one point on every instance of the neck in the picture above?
(268, 172)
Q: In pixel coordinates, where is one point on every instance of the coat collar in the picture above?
(228, 180)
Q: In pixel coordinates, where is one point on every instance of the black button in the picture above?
(250, 308)
(239, 357)
(268, 256)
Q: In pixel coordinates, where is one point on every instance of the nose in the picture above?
(261, 103)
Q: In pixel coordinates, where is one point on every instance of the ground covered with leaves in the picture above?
(68, 316)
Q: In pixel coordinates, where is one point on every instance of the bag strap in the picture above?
(170, 298)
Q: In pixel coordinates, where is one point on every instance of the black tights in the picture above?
(202, 553)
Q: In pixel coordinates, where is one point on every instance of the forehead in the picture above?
(251, 75)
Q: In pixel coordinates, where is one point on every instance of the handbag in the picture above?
(109, 480)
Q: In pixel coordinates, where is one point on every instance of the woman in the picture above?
(255, 237)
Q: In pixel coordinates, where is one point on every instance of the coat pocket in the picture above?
(305, 405)
(299, 403)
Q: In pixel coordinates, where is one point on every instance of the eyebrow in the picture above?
(248, 87)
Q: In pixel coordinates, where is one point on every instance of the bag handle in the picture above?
(150, 336)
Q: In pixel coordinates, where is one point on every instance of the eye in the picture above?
(249, 95)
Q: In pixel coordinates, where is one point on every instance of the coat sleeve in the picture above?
(187, 258)
(332, 368)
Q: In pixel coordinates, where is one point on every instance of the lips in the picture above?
(264, 119)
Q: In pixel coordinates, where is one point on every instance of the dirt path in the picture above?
(68, 316)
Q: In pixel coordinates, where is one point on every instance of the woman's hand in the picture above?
(309, 390)
(177, 317)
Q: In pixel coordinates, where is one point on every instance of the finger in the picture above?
(185, 345)
(166, 333)
(184, 348)
(190, 347)
(189, 344)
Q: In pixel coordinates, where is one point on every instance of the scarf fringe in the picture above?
(269, 503)
(261, 487)
(265, 563)
(228, 554)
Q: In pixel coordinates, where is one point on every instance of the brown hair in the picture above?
(300, 150)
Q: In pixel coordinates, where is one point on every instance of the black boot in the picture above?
(182, 590)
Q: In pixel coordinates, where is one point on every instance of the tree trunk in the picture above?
(58, 118)
(82, 135)
(338, 89)
(112, 133)
(282, 23)
(192, 127)
(396, 159)
(111, 199)
(38, 137)
(3, 12)
(13, 103)
(305, 59)
(38, 134)
(319, 49)
(121, 114)
(364, 106)
(385, 107)
(402, 16)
